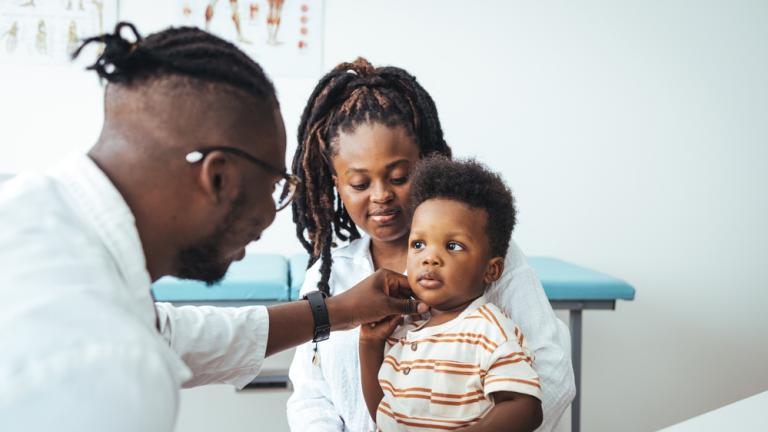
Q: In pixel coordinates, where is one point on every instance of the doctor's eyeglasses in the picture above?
(284, 189)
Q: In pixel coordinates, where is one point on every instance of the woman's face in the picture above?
(373, 165)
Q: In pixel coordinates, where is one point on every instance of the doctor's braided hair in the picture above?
(183, 51)
(349, 95)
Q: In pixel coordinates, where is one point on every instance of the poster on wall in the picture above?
(284, 36)
(48, 31)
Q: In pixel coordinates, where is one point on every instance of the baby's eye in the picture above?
(417, 244)
(453, 246)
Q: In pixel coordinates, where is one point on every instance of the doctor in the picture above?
(179, 182)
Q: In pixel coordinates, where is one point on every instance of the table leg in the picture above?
(575, 326)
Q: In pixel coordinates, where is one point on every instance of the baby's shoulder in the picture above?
(489, 320)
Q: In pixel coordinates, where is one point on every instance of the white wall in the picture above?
(634, 134)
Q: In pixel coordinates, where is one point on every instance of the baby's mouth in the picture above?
(429, 280)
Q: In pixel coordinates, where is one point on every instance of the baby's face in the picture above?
(448, 253)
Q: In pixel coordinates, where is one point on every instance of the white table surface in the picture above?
(750, 414)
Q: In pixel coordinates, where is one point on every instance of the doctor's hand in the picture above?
(382, 294)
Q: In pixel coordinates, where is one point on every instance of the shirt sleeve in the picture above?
(310, 407)
(509, 369)
(219, 345)
(101, 387)
(520, 295)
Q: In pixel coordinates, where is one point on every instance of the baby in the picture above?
(466, 366)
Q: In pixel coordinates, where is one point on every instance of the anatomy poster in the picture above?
(47, 31)
(284, 36)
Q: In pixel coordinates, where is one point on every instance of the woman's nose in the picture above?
(381, 194)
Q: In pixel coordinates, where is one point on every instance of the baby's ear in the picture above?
(494, 270)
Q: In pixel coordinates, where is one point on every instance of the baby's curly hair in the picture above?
(472, 183)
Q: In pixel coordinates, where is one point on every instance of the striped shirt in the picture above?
(442, 377)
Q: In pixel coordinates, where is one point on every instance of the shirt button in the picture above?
(414, 346)
(406, 371)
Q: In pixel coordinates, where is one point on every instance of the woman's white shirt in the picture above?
(327, 393)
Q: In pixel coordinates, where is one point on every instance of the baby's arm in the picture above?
(372, 340)
(512, 412)
(513, 385)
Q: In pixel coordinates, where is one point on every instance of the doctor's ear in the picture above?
(218, 177)
(494, 270)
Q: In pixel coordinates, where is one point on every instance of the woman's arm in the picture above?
(520, 295)
(512, 412)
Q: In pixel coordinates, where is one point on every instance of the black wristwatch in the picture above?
(320, 315)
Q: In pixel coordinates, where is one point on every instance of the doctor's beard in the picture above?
(204, 261)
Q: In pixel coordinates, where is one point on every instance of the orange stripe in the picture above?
(468, 334)
(438, 366)
(520, 336)
(482, 312)
(513, 355)
(393, 389)
(517, 380)
(508, 362)
(450, 363)
(459, 334)
(458, 340)
(445, 371)
(421, 389)
(386, 408)
(411, 423)
(458, 403)
(495, 321)
(519, 355)
(535, 379)
(439, 402)
(436, 370)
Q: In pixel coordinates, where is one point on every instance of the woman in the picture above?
(361, 134)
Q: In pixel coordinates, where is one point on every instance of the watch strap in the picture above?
(320, 315)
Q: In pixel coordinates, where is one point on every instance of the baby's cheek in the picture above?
(413, 285)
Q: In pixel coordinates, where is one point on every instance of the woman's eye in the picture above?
(453, 246)
(361, 186)
(399, 180)
(417, 244)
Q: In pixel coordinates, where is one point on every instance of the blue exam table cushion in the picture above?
(258, 277)
(565, 281)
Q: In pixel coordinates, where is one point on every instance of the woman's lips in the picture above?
(384, 216)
